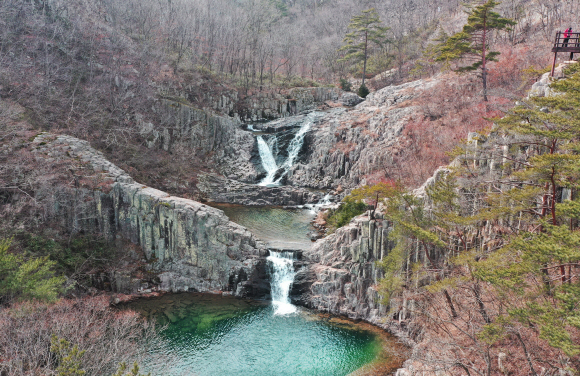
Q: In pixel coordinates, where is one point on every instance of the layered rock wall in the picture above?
(192, 246)
(216, 132)
(261, 105)
(343, 275)
(218, 189)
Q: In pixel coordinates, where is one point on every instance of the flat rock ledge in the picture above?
(216, 188)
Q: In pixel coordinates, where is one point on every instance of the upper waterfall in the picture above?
(268, 161)
(275, 165)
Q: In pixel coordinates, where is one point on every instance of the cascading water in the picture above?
(294, 147)
(293, 150)
(268, 161)
(281, 278)
(324, 203)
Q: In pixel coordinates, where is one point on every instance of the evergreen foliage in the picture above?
(372, 194)
(529, 267)
(365, 29)
(69, 358)
(345, 85)
(346, 212)
(472, 43)
(129, 372)
(27, 279)
(363, 91)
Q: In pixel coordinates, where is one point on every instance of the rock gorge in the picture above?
(194, 247)
(189, 246)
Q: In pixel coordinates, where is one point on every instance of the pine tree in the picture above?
(27, 279)
(506, 240)
(471, 44)
(540, 263)
(366, 28)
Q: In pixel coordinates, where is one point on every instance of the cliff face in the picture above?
(347, 146)
(215, 132)
(218, 189)
(193, 247)
(343, 275)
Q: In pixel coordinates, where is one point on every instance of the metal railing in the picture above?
(571, 44)
(573, 41)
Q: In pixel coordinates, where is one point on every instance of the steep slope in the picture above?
(191, 246)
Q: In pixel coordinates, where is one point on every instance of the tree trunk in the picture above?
(528, 357)
(365, 59)
(483, 68)
(482, 311)
(450, 303)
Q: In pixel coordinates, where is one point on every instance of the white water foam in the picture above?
(281, 278)
(268, 161)
(293, 149)
(324, 203)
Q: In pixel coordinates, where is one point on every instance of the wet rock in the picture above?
(219, 189)
(343, 275)
(348, 144)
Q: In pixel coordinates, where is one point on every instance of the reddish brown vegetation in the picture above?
(449, 111)
(108, 336)
(455, 344)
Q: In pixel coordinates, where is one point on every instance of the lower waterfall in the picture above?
(281, 278)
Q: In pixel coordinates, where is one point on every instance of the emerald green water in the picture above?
(215, 335)
(279, 228)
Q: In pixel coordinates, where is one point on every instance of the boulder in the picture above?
(350, 99)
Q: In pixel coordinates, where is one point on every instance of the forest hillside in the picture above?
(473, 188)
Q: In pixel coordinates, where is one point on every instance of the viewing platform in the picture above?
(571, 45)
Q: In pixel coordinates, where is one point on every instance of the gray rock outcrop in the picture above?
(343, 274)
(216, 133)
(219, 189)
(350, 99)
(345, 146)
(541, 88)
(192, 246)
(258, 105)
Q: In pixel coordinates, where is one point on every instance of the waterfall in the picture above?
(294, 147)
(268, 161)
(281, 278)
(267, 153)
(324, 203)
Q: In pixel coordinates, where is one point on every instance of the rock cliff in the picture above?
(191, 246)
(216, 132)
(346, 146)
(340, 275)
(218, 189)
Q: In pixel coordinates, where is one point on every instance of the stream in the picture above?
(215, 335)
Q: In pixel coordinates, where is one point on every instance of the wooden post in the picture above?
(555, 52)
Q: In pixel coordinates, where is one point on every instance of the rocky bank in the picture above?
(190, 246)
(212, 125)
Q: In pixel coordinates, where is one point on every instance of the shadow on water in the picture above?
(217, 335)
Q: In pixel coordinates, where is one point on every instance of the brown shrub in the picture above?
(108, 336)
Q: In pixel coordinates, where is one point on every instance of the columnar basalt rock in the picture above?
(216, 132)
(192, 246)
(343, 275)
(219, 189)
